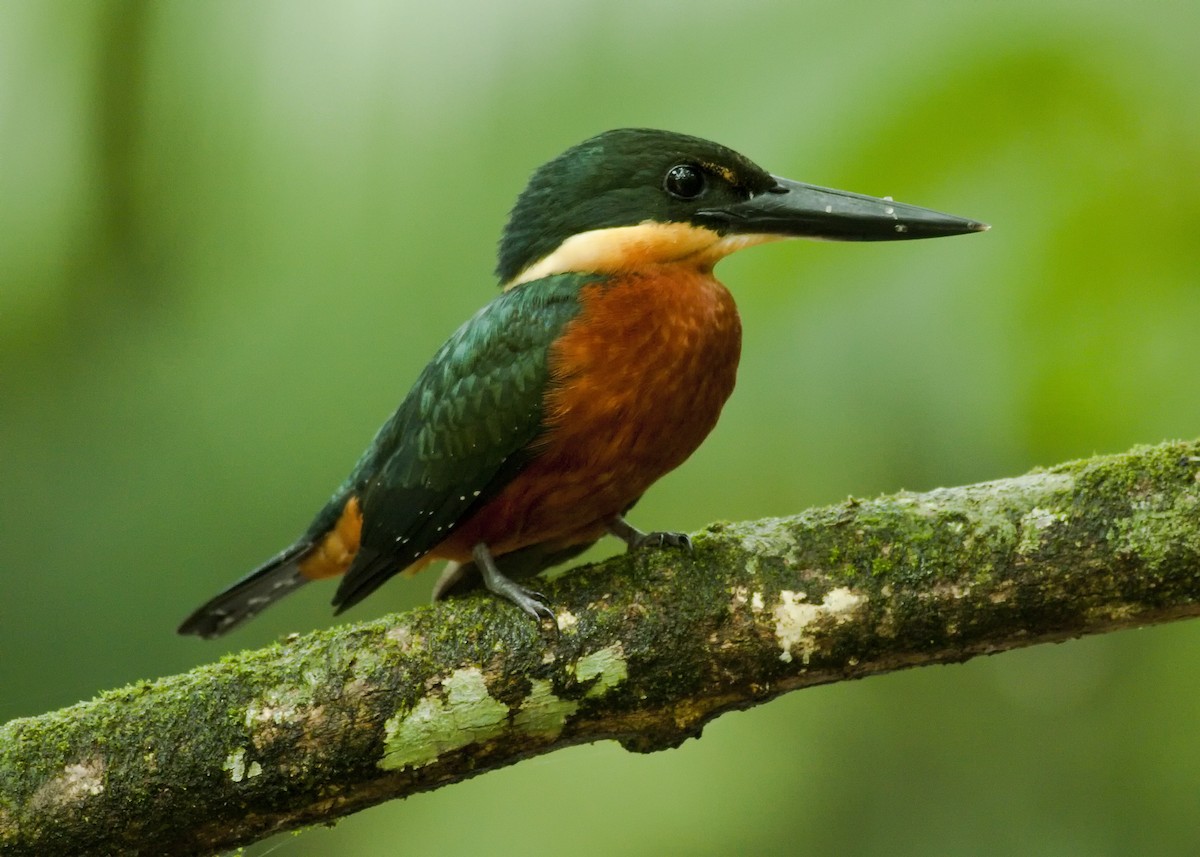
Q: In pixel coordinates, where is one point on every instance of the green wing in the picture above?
(462, 432)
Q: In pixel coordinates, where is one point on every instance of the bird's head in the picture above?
(637, 196)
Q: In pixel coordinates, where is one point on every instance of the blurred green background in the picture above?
(232, 233)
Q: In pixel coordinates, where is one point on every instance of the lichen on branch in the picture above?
(324, 724)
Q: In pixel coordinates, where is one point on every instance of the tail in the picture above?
(254, 593)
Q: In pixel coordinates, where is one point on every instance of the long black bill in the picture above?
(807, 211)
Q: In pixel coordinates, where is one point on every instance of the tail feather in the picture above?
(370, 570)
(251, 595)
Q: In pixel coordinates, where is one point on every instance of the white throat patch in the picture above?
(625, 248)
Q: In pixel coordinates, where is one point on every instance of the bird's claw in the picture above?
(635, 538)
(662, 540)
(533, 603)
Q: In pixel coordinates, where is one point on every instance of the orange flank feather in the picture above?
(638, 380)
(334, 553)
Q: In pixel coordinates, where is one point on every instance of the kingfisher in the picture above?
(601, 365)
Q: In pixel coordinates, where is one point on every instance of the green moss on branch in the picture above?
(325, 724)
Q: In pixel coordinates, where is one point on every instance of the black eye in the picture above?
(683, 181)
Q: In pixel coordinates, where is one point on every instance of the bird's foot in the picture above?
(533, 603)
(635, 538)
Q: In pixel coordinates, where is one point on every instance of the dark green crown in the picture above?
(622, 178)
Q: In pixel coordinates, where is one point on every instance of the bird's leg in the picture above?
(531, 602)
(635, 538)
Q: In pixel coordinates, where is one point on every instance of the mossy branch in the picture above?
(651, 647)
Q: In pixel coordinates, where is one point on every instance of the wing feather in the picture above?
(462, 433)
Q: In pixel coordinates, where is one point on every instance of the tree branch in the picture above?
(652, 646)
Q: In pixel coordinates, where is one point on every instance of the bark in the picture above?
(651, 646)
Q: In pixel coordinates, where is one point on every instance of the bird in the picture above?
(601, 365)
